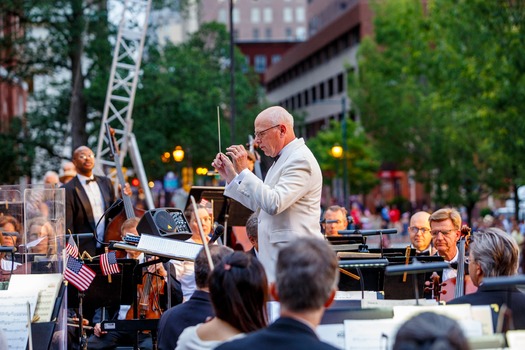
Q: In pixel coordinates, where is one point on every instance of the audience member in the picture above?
(430, 331)
(198, 308)
(494, 253)
(334, 219)
(445, 228)
(68, 172)
(252, 233)
(41, 238)
(306, 281)
(51, 178)
(420, 237)
(238, 290)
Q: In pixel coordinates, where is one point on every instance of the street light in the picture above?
(178, 154)
(337, 152)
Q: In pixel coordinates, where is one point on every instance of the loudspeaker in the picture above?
(165, 222)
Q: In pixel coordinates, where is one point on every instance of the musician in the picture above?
(9, 232)
(288, 201)
(334, 219)
(185, 269)
(252, 233)
(87, 197)
(420, 237)
(445, 228)
(108, 340)
(198, 308)
(494, 253)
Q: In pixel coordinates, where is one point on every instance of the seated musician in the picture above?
(198, 308)
(109, 340)
(306, 282)
(10, 229)
(185, 269)
(420, 237)
(334, 220)
(494, 253)
(252, 232)
(445, 228)
(41, 237)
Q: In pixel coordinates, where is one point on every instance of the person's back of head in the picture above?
(239, 291)
(430, 331)
(306, 275)
(202, 266)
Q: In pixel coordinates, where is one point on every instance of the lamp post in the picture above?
(232, 77)
(337, 152)
(345, 152)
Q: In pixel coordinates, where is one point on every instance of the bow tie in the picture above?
(276, 158)
(425, 253)
(90, 180)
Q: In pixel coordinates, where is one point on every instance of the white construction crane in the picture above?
(123, 80)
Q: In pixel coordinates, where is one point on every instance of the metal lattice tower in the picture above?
(124, 76)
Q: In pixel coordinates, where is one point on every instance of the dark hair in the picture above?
(202, 267)
(430, 331)
(252, 226)
(239, 291)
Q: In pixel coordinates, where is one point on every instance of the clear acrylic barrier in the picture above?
(32, 220)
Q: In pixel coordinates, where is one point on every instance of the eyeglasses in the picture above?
(445, 233)
(260, 134)
(415, 229)
(86, 156)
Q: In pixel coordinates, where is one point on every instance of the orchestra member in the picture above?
(420, 237)
(494, 253)
(288, 201)
(445, 228)
(335, 219)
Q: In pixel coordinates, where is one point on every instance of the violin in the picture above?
(461, 284)
(113, 230)
(148, 296)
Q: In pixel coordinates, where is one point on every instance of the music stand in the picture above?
(373, 271)
(85, 242)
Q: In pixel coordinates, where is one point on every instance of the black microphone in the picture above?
(219, 231)
(4, 249)
(12, 234)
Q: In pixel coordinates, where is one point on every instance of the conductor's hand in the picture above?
(224, 166)
(239, 157)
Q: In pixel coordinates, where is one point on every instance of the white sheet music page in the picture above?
(170, 248)
(14, 317)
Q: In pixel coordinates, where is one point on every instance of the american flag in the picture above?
(204, 202)
(78, 274)
(71, 247)
(108, 263)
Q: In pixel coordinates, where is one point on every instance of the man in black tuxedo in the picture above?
(494, 253)
(198, 308)
(306, 281)
(87, 197)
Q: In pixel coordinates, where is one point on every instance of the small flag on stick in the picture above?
(78, 274)
(108, 263)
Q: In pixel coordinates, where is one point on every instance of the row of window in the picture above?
(315, 94)
(260, 62)
(264, 15)
(300, 33)
(317, 58)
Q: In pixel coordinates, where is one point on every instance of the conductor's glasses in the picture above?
(260, 134)
(414, 230)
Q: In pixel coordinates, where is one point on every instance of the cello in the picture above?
(461, 284)
(113, 230)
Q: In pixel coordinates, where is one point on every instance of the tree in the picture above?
(177, 101)
(428, 88)
(361, 158)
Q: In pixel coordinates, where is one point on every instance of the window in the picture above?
(306, 100)
(268, 33)
(255, 15)
(287, 15)
(330, 87)
(276, 58)
(299, 15)
(288, 33)
(236, 15)
(222, 16)
(340, 83)
(300, 33)
(255, 33)
(321, 91)
(314, 94)
(268, 15)
(259, 63)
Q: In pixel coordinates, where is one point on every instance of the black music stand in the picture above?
(370, 279)
(84, 241)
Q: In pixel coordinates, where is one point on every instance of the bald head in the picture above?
(419, 230)
(84, 160)
(274, 130)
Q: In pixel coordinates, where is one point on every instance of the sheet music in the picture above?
(357, 255)
(333, 334)
(47, 286)
(516, 339)
(14, 318)
(354, 295)
(370, 334)
(370, 304)
(168, 247)
(483, 314)
(456, 312)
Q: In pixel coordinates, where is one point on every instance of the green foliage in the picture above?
(177, 102)
(16, 156)
(439, 90)
(361, 159)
